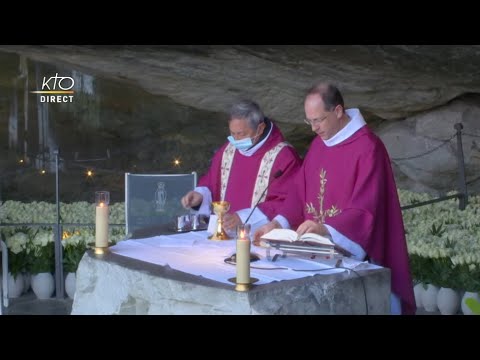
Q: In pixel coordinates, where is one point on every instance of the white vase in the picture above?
(70, 284)
(43, 285)
(418, 292)
(429, 298)
(448, 301)
(465, 309)
(15, 286)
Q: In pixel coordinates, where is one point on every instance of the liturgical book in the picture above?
(290, 236)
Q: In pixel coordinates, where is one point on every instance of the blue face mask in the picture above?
(243, 144)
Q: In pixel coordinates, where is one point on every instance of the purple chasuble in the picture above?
(243, 175)
(350, 186)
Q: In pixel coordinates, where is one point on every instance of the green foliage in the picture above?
(43, 259)
(473, 305)
(17, 263)
(442, 272)
(72, 255)
(449, 243)
(437, 231)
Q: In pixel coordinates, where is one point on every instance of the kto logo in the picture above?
(56, 85)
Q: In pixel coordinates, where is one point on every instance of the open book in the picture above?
(290, 236)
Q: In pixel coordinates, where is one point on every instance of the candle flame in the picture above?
(101, 204)
(67, 234)
(242, 234)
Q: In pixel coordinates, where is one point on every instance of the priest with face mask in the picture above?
(255, 157)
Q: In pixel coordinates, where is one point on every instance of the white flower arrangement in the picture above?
(42, 253)
(33, 250)
(443, 241)
(17, 243)
(42, 238)
(440, 237)
(74, 246)
(42, 213)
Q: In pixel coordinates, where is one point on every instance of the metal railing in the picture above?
(462, 194)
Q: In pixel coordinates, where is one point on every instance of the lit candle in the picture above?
(243, 254)
(102, 199)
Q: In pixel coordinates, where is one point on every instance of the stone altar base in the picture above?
(113, 284)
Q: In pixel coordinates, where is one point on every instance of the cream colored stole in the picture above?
(263, 175)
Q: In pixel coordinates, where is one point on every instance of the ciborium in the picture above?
(220, 208)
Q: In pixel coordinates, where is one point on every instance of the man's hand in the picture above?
(310, 226)
(263, 230)
(192, 198)
(230, 221)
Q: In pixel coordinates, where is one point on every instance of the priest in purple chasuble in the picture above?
(346, 189)
(255, 157)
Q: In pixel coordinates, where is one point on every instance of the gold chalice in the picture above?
(220, 208)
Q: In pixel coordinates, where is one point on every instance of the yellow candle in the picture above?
(101, 225)
(243, 259)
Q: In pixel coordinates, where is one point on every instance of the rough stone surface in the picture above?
(390, 81)
(118, 285)
(428, 87)
(424, 146)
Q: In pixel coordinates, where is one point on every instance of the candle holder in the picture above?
(243, 287)
(220, 208)
(100, 250)
(102, 200)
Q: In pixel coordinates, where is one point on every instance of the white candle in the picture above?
(243, 258)
(101, 225)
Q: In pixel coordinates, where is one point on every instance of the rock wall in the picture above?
(411, 94)
(423, 148)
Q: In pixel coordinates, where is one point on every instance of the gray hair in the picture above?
(247, 110)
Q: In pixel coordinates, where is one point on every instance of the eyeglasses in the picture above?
(315, 121)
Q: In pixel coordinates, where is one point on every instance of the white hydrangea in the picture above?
(42, 238)
(17, 243)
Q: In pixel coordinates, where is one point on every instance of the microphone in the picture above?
(275, 176)
(254, 257)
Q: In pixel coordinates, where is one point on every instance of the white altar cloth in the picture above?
(193, 253)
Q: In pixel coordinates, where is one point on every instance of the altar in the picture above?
(186, 274)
